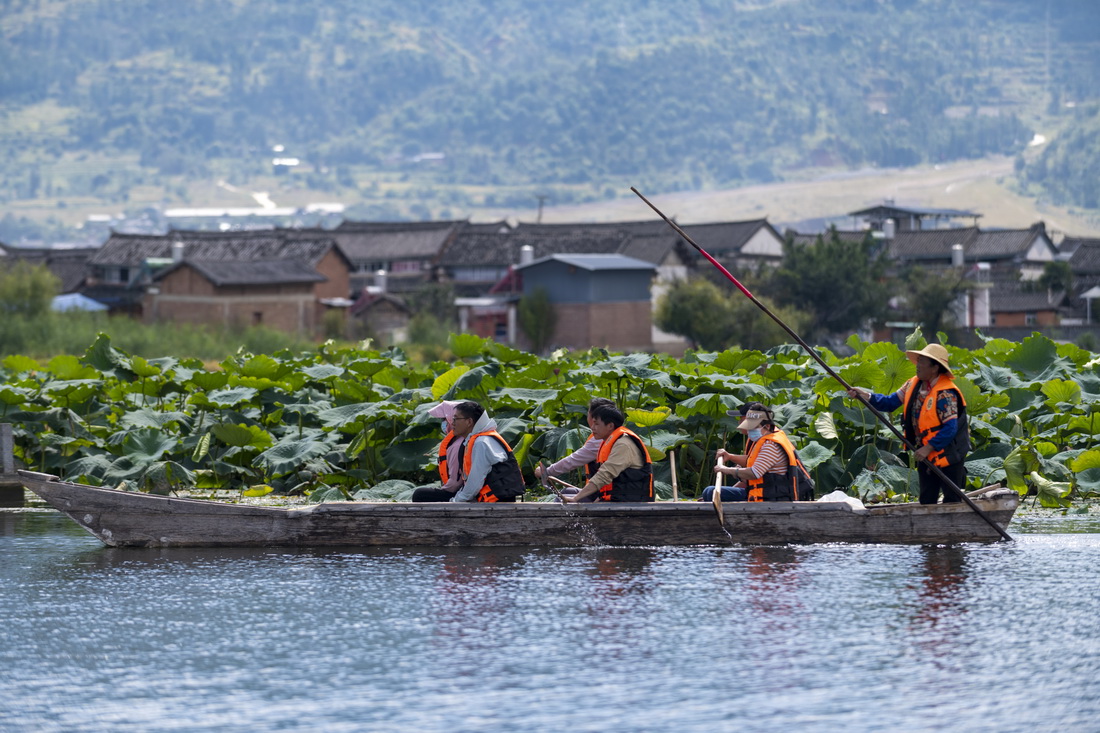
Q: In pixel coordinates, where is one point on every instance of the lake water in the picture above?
(1000, 637)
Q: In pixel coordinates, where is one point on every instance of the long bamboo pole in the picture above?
(809, 350)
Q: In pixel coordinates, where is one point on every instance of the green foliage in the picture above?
(714, 319)
(55, 333)
(537, 318)
(338, 422)
(927, 297)
(568, 93)
(26, 291)
(842, 284)
(1066, 168)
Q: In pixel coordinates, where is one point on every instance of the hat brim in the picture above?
(750, 423)
(913, 358)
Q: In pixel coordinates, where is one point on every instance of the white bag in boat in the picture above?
(839, 495)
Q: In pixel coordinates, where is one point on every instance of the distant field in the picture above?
(984, 187)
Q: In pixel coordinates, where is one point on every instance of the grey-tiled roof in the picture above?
(727, 237)
(1017, 298)
(1085, 259)
(132, 250)
(992, 244)
(801, 238)
(930, 244)
(376, 241)
(69, 265)
(251, 272)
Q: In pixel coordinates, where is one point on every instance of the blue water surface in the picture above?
(999, 637)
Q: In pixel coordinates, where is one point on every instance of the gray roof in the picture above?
(132, 250)
(1017, 298)
(729, 236)
(594, 262)
(1085, 259)
(851, 236)
(374, 241)
(249, 272)
(68, 264)
(930, 244)
(891, 210)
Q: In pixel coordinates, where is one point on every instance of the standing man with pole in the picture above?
(934, 419)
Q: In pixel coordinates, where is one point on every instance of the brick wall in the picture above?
(621, 326)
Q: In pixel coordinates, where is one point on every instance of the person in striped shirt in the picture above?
(743, 468)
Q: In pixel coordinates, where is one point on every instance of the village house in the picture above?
(1083, 256)
(283, 279)
(599, 300)
(406, 251)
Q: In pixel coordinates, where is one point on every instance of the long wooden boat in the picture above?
(133, 519)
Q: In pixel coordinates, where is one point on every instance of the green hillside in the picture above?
(458, 105)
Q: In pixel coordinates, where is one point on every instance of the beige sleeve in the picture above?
(624, 454)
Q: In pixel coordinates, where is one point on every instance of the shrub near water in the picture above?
(343, 422)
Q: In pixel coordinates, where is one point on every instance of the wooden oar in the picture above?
(809, 350)
(544, 479)
(672, 462)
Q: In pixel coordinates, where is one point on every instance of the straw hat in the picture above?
(936, 353)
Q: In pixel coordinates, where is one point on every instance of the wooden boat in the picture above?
(134, 519)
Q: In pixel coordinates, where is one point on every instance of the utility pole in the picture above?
(541, 198)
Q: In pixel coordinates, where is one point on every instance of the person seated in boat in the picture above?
(624, 471)
(769, 470)
(933, 419)
(487, 469)
(448, 459)
(585, 456)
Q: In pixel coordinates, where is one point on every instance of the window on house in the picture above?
(406, 266)
(1030, 319)
(257, 318)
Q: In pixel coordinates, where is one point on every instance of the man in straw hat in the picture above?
(934, 420)
(770, 469)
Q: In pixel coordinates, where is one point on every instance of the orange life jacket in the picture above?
(632, 484)
(504, 482)
(775, 486)
(928, 421)
(444, 472)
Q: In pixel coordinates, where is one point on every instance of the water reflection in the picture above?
(773, 581)
(940, 595)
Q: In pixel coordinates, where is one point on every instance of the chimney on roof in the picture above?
(526, 254)
(957, 255)
(380, 281)
(177, 251)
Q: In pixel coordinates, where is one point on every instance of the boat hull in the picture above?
(134, 519)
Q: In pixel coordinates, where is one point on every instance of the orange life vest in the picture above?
(774, 486)
(928, 421)
(444, 472)
(633, 484)
(504, 482)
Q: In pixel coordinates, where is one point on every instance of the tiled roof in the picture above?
(799, 238)
(1004, 243)
(69, 265)
(1016, 298)
(930, 244)
(992, 244)
(132, 250)
(250, 272)
(1085, 259)
(374, 241)
(726, 237)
